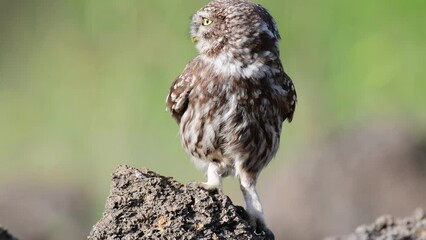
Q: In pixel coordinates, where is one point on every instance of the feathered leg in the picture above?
(253, 205)
(214, 178)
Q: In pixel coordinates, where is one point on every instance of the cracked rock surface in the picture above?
(145, 205)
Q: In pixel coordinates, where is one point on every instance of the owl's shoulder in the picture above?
(289, 98)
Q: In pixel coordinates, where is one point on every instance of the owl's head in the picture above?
(239, 27)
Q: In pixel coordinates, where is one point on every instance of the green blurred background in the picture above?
(83, 83)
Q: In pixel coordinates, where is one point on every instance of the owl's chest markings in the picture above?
(241, 64)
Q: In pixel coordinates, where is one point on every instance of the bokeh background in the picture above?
(83, 85)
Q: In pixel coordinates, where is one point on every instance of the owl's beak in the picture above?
(194, 39)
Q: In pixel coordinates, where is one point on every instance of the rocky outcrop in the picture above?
(145, 205)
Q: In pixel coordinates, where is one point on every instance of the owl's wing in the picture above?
(177, 100)
(288, 102)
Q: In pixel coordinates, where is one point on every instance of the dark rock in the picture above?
(145, 205)
(5, 235)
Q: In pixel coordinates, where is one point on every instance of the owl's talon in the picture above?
(205, 186)
(193, 184)
(259, 233)
(262, 230)
(267, 233)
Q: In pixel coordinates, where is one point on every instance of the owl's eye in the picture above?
(206, 21)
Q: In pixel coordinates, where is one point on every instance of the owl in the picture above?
(231, 100)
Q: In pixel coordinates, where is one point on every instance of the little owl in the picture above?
(231, 100)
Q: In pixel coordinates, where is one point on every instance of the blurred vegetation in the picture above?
(83, 83)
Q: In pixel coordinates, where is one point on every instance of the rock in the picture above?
(145, 205)
(5, 235)
(387, 227)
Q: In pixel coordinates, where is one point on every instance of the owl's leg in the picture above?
(214, 178)
(253, 205)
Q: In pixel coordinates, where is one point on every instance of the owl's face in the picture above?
(208, 30)
(233, 25)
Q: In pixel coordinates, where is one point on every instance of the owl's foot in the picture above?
(205, 185)
(262, 230)
(254, 207)
(214, 179)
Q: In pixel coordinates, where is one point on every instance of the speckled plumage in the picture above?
(231, 99)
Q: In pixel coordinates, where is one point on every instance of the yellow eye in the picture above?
(207, 21)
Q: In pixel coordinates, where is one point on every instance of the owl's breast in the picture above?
(230, 118)
(202, 123)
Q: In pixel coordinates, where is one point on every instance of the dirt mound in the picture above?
(388, 227)
(145, 205)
